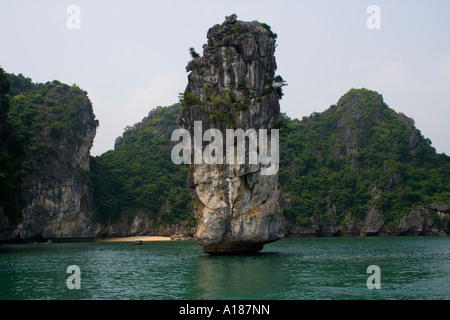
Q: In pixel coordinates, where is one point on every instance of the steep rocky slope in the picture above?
(233, 86)
(11, 165)
(136, 188)
(57, 126)
(360, 168)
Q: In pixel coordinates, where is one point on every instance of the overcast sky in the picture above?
(130, 56)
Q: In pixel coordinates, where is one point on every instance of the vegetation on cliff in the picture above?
(50, 128)
(11, 158)
(47, 120)
(138, 175)
(357, 155)
(336, 166)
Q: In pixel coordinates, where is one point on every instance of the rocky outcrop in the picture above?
(416, 222)
(421, 220)
(139, 224)
(233, 85)
(57, 144)
(11, 159)
(373, 222)
(361, 168)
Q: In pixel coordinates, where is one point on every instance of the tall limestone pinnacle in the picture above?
(233, 86)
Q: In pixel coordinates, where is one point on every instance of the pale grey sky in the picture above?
(130, 56)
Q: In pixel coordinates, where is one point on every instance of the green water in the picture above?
(290, 269)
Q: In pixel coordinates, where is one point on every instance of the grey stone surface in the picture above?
(237, 209)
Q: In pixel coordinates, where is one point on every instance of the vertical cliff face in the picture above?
(11, 160)
(233, 86)
(57, 126)
(57, 193)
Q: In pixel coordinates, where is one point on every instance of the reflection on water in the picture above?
(246, 277)
(289, 269)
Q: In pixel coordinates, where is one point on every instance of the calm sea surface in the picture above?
(290, 269)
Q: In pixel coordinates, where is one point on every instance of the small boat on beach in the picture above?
(138, 242)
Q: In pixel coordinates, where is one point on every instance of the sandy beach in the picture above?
(132, 239)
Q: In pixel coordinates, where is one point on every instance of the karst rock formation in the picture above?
(233, 86)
